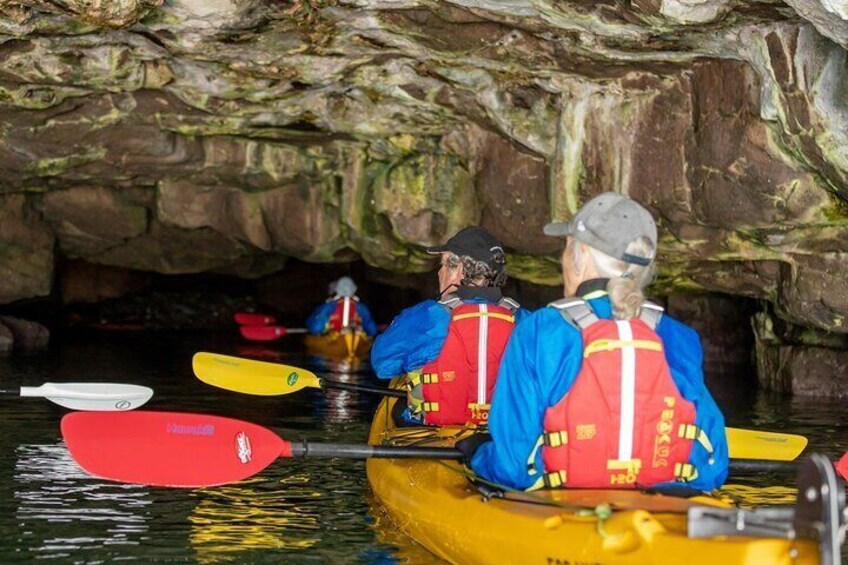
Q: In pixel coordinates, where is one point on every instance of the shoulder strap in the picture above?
(651, 314)
(576, 312)
(509, 304)
(450, 303)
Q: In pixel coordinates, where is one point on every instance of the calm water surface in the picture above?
(298, 511)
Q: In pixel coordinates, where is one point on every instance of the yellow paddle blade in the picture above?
(251, 377)
(753, 444)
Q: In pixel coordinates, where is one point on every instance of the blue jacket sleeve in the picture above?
(368, 323)
(686, 360)
(317, 321)
(413, 339)
(539, 365)
(521, 314)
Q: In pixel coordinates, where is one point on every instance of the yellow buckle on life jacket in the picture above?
(555, 479)
(610, 344)
(430, 406)
(692, 432)
(415, 379)
(498, 315)
(555, 439)
(685, 472)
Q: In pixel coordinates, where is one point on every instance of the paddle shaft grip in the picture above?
(355, 451)
(363, 388)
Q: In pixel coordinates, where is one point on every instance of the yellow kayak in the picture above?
(339, 345)
(433, 503)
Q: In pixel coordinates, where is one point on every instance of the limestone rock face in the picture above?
(26, 251)
(228, 135)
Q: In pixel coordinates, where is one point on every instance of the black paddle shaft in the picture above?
(364, 451)
(361, 451)
(362, 388)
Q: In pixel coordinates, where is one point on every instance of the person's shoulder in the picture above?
(671, 326)
(543, 319)
(425, 309)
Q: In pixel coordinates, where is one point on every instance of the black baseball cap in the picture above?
(474, 242)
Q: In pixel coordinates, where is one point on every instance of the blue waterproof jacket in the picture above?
(316, 323)
(540, 365)
(416, 336)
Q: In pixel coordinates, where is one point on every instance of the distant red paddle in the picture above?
(250, 319)
(268, 333)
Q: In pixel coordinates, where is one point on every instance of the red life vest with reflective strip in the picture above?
(345, 314)
(457, 386)
(623, 423)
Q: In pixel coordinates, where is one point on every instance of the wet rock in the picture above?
(28, 336)
(7, 340)
(724, 325)
(26, 251)
(81, 282)
(685, 11)
(798, 359)
(228, 137)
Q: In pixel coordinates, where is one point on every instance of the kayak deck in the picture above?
(339, 345)
(434, 503)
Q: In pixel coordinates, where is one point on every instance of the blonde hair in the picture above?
(626, 280)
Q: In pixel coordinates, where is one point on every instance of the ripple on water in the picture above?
(296, 511)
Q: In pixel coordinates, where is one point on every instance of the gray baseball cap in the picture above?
(609, 222)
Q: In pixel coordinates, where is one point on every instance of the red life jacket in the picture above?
(623, 423)
(345, 314)
(457, 387)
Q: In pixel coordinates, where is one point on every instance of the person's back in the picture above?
(602, 389)
(449, 349)
(341, 312)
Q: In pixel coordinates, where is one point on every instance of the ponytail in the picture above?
(626, 280)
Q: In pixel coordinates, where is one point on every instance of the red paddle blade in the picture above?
(170, 448)
(262, 333)
(249, 319)
(842, 466)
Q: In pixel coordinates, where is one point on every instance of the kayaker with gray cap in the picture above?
(341, 312)
(602, 389)
(450, 348)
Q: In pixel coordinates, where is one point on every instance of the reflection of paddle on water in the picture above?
(251, 516)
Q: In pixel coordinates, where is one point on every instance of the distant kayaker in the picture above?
(602, 389)
(342, 311)
(450, 348)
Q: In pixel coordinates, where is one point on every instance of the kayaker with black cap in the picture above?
(450, 348)
(341, 312)
(602, 389)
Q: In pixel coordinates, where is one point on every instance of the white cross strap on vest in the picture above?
(628, 391)
(482, 353)
(346, 312)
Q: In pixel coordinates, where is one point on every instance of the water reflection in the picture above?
(254, 515)
(297, 511)
(81, 512)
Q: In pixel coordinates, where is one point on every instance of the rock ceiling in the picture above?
(217, 135)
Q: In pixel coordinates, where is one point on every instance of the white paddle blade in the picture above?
(92, 396)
